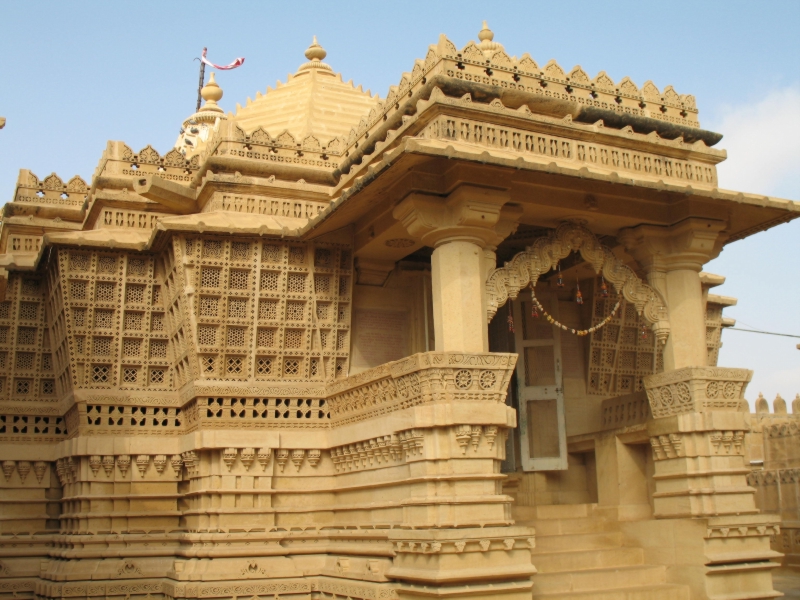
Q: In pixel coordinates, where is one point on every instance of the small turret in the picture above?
(761, 404)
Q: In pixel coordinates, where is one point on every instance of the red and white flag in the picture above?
(237, 63)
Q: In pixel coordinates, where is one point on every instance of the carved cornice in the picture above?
(526, 268)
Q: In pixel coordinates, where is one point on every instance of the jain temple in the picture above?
(456, 342)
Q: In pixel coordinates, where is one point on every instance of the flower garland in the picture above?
(579, 332)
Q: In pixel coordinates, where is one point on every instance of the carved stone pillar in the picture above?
(464, 229)
(697, 431)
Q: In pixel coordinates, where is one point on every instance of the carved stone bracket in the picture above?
(526, 268)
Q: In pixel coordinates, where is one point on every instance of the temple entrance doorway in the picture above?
(540, 391)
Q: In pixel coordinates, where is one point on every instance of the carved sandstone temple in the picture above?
(331, 346)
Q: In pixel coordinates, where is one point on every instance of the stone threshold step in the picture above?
(567, 526)
(559, 562)
(556, 511)
(746, 596)
(664, 591)
(599, 579)
(577, 541)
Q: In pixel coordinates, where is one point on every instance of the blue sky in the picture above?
(75, 75)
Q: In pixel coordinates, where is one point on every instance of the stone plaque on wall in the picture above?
(381, 336)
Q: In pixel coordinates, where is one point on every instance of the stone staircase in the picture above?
(579, 556)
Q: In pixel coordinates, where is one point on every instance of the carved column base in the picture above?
(697, 435)
(466, 563)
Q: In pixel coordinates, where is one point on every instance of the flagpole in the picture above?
(202, 81)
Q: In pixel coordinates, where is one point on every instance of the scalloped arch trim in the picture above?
(527, 266)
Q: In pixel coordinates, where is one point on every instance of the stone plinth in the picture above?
(717, 557)
(487, 562)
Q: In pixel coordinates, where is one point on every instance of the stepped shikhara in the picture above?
(322, 346)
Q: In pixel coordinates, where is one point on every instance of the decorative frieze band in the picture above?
(463, 545)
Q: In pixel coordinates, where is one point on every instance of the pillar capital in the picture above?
(672, 257)
(686, 245)
(469, 213)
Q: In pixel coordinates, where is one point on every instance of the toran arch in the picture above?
(543, 255)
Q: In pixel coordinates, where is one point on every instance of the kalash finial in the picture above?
(315, 51)
(486, 33)
(487, 45)
(211, 93)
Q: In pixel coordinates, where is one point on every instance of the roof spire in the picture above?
(211, 93)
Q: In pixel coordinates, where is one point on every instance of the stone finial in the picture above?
(211, 93)
(779, 405)
(796, 405)
(761, 404)
(315, 51)
(487, 44)
(485, 33)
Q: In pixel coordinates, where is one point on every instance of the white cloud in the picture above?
(763, 144)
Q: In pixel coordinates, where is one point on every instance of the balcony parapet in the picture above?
(425, 378)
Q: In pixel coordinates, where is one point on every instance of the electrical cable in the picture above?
(764, 332)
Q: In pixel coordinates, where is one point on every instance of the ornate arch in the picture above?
(526, 268)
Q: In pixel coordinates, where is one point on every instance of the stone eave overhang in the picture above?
(780, 210)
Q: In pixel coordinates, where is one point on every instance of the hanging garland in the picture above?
(579, 332)
(537, 306)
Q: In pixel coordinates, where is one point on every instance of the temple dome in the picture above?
(314, 100)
